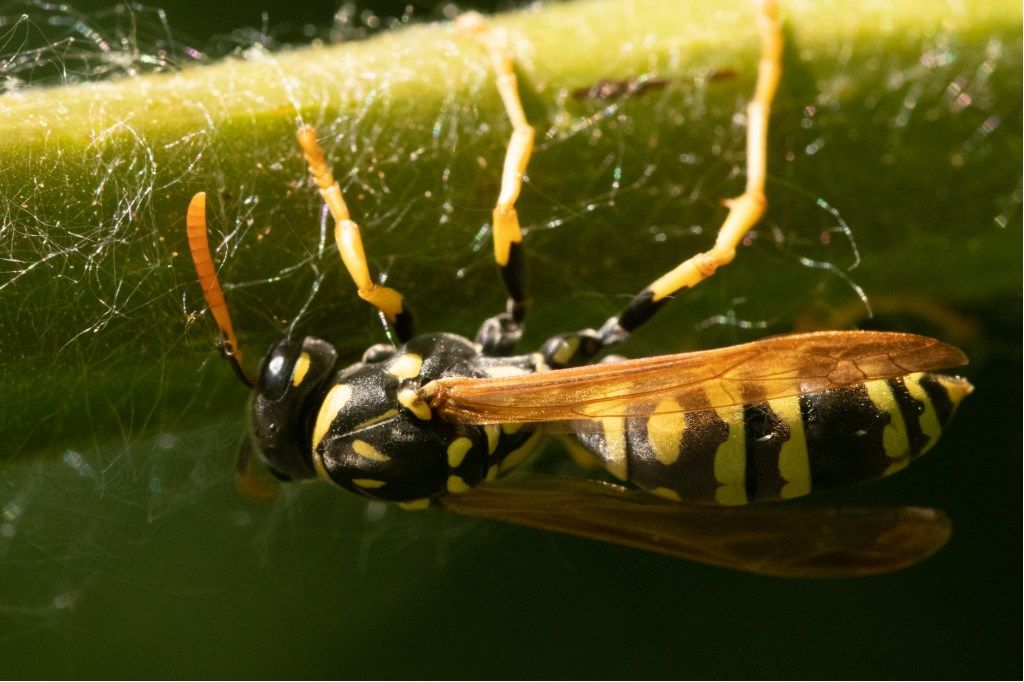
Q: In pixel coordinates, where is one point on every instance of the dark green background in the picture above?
(155, 568)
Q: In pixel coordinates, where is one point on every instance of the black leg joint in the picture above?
(572, 349)
(513, 274)
(404, 324)
(640, 309)
(228, 353)
(499, 335)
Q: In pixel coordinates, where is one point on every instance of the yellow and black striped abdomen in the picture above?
(780, 448)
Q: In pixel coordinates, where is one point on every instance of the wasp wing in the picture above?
(782, 541)
(772, 368)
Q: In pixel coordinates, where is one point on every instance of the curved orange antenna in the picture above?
(198, 242)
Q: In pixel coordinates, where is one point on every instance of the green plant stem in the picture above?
(904, 117)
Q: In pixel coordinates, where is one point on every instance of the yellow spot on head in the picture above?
(412, 505)
(411, 401)
(406, 366)
(368, 483)
(333, 403)
(457, 485)
(301, 367)
(364, 449)
(457, 451)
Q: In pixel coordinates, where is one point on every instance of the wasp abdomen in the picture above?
(780, 448)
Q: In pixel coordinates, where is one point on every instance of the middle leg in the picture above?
(499, 334)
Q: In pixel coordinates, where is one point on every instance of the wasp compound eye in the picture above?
(278, 368)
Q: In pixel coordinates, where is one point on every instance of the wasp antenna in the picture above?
(199, 245)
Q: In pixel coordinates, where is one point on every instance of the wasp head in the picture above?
(292, 381)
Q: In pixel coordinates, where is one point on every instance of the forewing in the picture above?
(793, 542)
(772, 368)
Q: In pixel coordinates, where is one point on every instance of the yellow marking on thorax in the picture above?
(375, 420)
(509, 429)
(411, 400)
(928, 419)
(413, 505)
(492, 472)
(457, 450)
(794, 465)
(301, 367)
(517, 456)
(665, 431)
(493, 432)
(731, 459)
(334, 401)
(364, 449)
(368, 483)
(894, 436)
(457, 485)
(406, 366)
(615, 446)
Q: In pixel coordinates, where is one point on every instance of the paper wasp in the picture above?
(692, 436)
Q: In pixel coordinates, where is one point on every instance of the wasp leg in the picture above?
(499, 334)
(744, 212)
(249, 484)
(350, 241)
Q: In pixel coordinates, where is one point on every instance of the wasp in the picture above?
(691, 438)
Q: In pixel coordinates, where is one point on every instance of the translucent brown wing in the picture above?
(772, 368)
(775, 540)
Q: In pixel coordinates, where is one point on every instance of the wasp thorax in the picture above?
(373, 432)
(292, 378)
